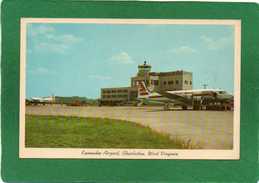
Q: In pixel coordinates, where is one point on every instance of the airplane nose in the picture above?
(229, 97)
(225, 97)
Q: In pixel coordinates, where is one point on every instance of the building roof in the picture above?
(169, 73)
(116, 88)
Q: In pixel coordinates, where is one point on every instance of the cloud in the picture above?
(41, 30)
(215, 44)
(184, 50)
(57, 43)
(51, 47)
(122, 58)
(64, 38)
(99, 77)
(46, 39)
(69, 39)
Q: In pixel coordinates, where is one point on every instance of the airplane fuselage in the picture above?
(189, 97)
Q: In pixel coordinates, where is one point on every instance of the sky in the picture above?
(79, 59)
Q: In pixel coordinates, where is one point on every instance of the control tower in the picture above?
(144, 69)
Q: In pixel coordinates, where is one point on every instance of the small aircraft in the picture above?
(40, 100)
(199, 99)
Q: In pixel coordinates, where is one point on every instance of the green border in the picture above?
(59, 170)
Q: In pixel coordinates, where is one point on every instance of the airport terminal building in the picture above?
(158, 81)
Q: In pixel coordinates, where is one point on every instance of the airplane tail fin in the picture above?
(143, 91)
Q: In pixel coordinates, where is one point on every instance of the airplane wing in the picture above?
(175, 97)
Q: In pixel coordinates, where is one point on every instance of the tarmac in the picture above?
(203, 129)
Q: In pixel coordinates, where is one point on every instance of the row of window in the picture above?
(176, 82)
(154, 82)
(186, 82)
(172, 82)
(114, 96)
(115, 91)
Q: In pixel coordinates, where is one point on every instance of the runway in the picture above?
(206, 129)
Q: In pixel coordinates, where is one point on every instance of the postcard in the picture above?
(130, 88)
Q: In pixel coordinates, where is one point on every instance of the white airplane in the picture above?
(196, 99)
(41, 100)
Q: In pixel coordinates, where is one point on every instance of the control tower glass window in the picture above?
(144, 69)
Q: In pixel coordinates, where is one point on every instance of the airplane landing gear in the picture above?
(139, 104)
(184, 107)
(166, 106)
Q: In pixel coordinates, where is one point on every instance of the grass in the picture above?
(78, 132)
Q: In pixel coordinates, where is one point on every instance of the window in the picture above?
(190, 82)
(170, 82)
(186, 82)
(177, 82)
(164, 82)
(156, 82)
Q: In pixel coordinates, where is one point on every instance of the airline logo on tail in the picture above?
(143, 91)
